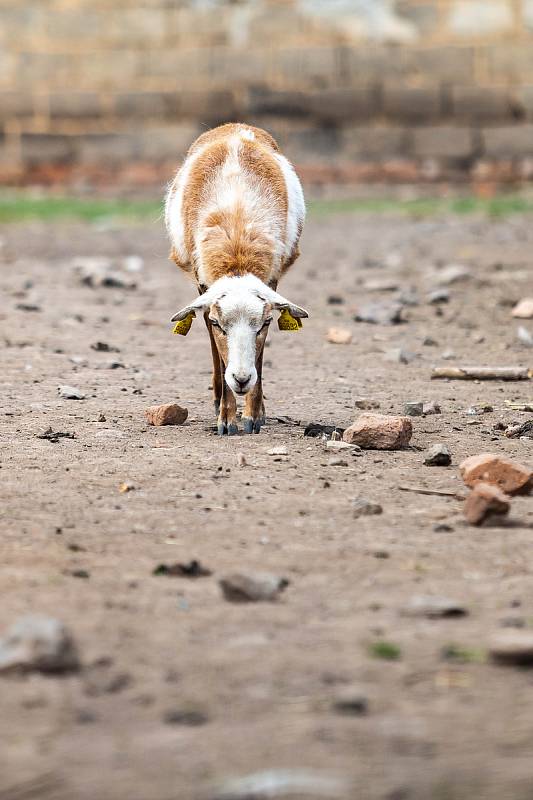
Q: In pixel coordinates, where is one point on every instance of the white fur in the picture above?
(296, 204)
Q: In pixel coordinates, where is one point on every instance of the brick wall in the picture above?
(353, 89)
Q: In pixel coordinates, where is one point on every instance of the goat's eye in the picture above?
(216, 324)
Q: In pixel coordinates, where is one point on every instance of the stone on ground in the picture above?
(484, 501)
(166, 414)
(511, 476)
(379, 432)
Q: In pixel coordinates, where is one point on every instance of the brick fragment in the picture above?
(485, 500)
(379, 432)
(167, 414)
(510, 476)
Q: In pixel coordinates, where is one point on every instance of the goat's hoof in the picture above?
(252, 425)
(224, 429)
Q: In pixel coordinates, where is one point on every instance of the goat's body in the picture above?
(235, 213)
(236, 207)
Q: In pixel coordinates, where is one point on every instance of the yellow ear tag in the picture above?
(287, 322)
(184, 325)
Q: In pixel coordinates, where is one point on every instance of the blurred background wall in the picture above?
(105, 90)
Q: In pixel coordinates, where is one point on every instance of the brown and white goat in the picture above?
(234, 214)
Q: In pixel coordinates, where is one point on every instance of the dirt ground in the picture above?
(180, 689)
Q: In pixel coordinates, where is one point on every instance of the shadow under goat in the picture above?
(235, 213)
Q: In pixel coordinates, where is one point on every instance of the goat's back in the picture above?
(235, 207)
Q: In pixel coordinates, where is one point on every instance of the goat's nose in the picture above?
(240, 380)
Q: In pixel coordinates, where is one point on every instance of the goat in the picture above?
(234, 214)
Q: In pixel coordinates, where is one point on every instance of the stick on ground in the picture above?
(483, 373)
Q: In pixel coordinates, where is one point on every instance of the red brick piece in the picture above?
(168, 414)
(510, 476)
(379, 432)
(484, 501)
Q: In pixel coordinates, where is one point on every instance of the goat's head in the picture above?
(240, 310)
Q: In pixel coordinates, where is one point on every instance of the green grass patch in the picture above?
(387, 651)
(458, 654)
(23, 207)
(19, 206)
(500, 206)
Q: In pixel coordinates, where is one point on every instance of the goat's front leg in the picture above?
(254, 407)
(227, 418)
(218, 378)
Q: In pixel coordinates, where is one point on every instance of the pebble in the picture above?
(339, 336)
(380, 314)
(70, 393)
(433, 607)
(37, 643)
(524, 336)
(362, 507)
(182, 716)
(278, 451)
(429, 341)
(337, 462)
(167, 414)
(437, 456)
(274, 784)
(379, 432)
(439, 296)
(408, 297)
(431, 408)
(510, 476)
(366, 403)
(484, 501)
(413, 409)
(513, 648)
(351, 701)
(523, 431)
(453, 273)
(523, 309)
(96, 271)
(337, 447)
(399, 356)
(449, 355)
(241, 460)
(252, 588)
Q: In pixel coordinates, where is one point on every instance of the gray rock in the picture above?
(448, 355)
(439, 296)
(414, 409)
(512, 647)
(337, 461)
(437, 456)
(38, 644)
(252, 588)
(524, 336)
(399, 356)
(380, 313)
(278, 451)
(281, 783)
(70, 393)
(365, 508)
(433, 607)
(429, 341)
(342, 447)
(431, 408)
(366, 403)
(351, 701)
(453, 273)
(408, 297)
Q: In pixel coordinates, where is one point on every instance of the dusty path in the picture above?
(260, 677)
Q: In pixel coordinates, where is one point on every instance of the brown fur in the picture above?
(230, 129)
(229, 249)
(211, 159)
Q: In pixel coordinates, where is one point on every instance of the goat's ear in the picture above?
(280, 303)
(200, 304)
